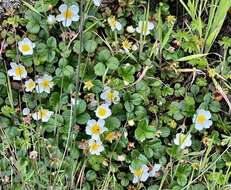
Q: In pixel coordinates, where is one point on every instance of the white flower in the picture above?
(103, 111)
(18, 72)
(154, 170)
(51, 19)
(68, 14)
(95, 146)
(131, 122)
(110, 96)
(30, 85)
(42, 114)
(202, 119)
(134, 47)
(25, 111)
(140, 174)
(44, 84)
(126, 83)
(95, 128)
(114, 24)
(183, 140)
(130, 29)
(121, 158)
(26, 46)
(97, 2)
(144, 27)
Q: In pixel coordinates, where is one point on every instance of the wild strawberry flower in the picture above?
(95, 146)
(97, 2)
(144, 27)
(154, 170)
(110, 137)
(126, 45)
(17, 71)
(183, 140)
(68, 14)
(110, 96)
(130, 29)
(134, 47)
(25, 111)
(51, 19)
(114, 24)
(44, 84)
(26, 46)
(88, 85)
(95, 128)
(140, 173)
(30, 85)
(42, 114)
(103, 111)
(202, 119)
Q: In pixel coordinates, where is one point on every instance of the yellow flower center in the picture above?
(201, 119)
(25, 47)
(171, 19)
(31, 84)
(112, 21)
(19, 71)
(126, 44)
(68, 14)
(45, 83)
(110, 96)
(43, 113)
(110, 136)
(94, 146)
(138, 172)
(88, 85)
(102, 112)
(182, 138)
(95, 129)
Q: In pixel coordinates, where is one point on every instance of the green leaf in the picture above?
(215, 106)
(112, 63)
(90, 46)
(144, 131)
(76, 47)
(139, 134)
(125, 182)
(113, 123)
(33, 27)
(80, 106)
(136, 99)
(99, 69)
(164, 131)
(148, 151)
(83, 118)
(7, 111)
(51, 125)
(68, 71)
(127, 72)
(51, 42)
(91, 175)
(103, 55)
(129, 106)
(34, 21)
(2, 79)
(182, 174)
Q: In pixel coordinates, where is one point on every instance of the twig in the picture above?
(146, 68)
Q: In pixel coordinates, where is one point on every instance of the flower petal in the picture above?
(62, 7)
(75, 9)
